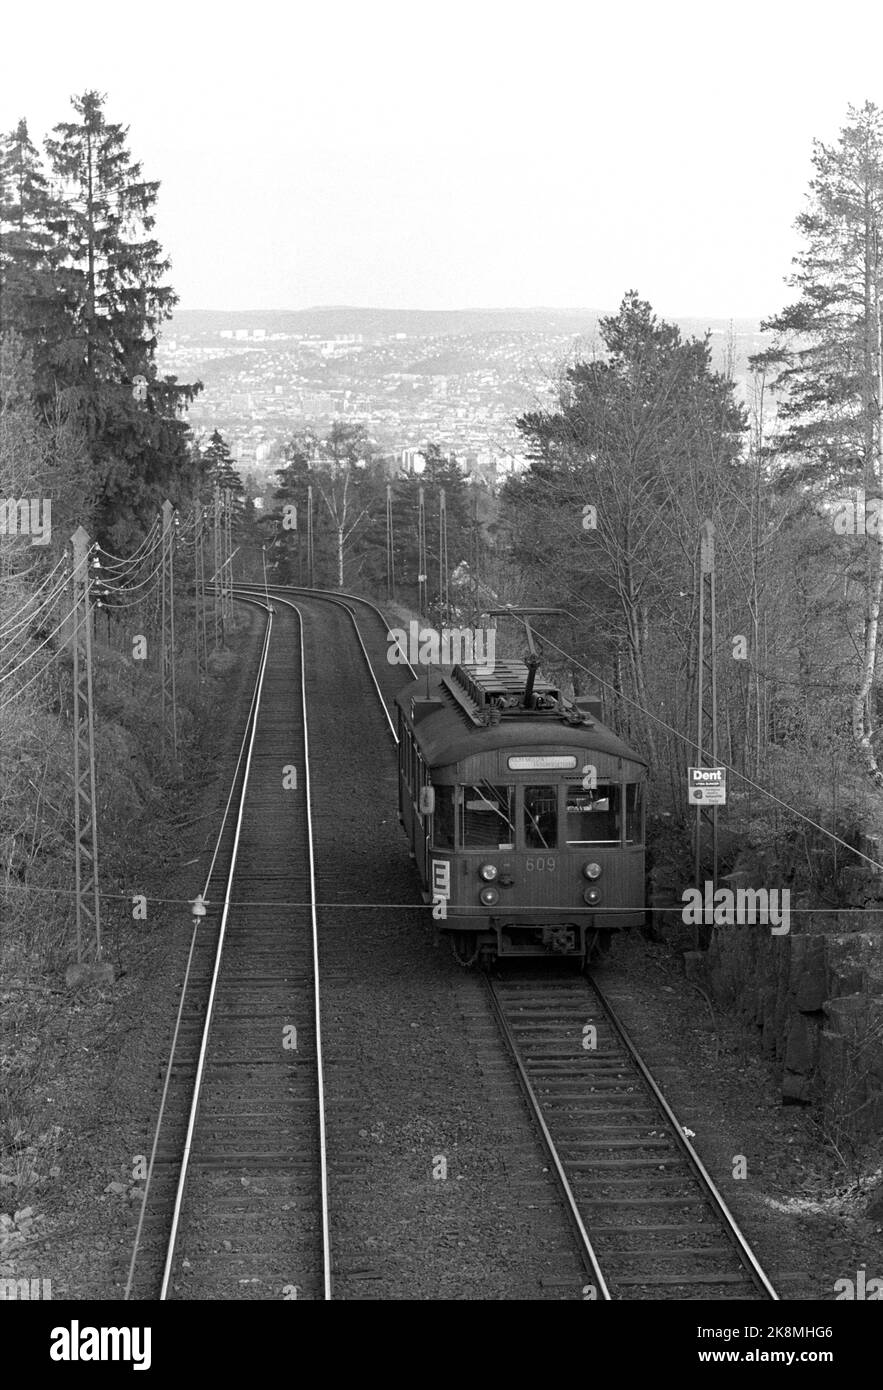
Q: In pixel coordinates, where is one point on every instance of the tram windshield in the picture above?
(593, 817)
(634, 814)
(443, 819)
(486, 817)
(541, 817)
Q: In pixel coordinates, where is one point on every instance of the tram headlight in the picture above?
(592, 870)
(488, 872)
(592, 896)
(489, 896)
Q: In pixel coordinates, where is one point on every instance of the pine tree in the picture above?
(644, 446)
(825, 357)
(828, 358)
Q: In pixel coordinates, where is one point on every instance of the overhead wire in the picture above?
(125, 561)
(691, 743)
(28, 683)
(8, 672)
(12, 619)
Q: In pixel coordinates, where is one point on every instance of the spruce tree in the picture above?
(113, 277)
(218, 466)
(30, 299)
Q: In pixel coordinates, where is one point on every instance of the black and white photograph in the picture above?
(441, 672)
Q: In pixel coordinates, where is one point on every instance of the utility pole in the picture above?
(444, 598)
(390, 548)
(199, 588)
(216, 576)
(228, 555)
(421, 552)
(167, 637)
(88, 901)
(102, 593)
(705, 857)
(475, 548)
(311, 559)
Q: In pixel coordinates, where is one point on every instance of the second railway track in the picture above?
(650, 1220)
(236, 1203)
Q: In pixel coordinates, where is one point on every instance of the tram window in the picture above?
(443, 818)
(541, 817)
(634, 813)
(593, 817)
(486, 817)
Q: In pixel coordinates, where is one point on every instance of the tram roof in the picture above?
(455, 730)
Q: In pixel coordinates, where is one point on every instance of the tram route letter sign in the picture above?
(707, 786)
(441, 878)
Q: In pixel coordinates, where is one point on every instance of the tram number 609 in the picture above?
(540, 862)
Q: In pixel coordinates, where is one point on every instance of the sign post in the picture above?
(707, 786)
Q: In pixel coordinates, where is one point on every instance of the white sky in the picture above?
(463, 154)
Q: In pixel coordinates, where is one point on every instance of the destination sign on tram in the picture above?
(541, 762)
(707, 786)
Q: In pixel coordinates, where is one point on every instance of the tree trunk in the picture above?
(862, 705)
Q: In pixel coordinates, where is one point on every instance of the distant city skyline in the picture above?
(491, 156)
(458, 379)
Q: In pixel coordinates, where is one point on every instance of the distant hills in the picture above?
(460, 377)
(328, 320)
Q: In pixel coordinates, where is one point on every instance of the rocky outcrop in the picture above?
(815, 995)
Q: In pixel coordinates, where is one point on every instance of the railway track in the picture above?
(236, 1199)
(387, 678)
(239, 1177)
(649, 1219)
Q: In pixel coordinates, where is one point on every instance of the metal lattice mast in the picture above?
(228, 555)
(390, 548)
(421, 552)
(444, 597)
(88, 902)
(706, 707)
(311, 559)
(216, 573)
(167, 634)
(199, 588)
(476, 582)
